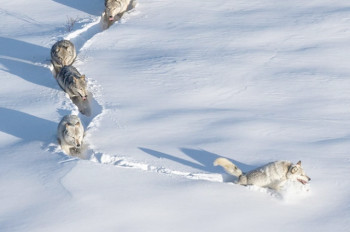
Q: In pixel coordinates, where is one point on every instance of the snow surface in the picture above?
(177, 84)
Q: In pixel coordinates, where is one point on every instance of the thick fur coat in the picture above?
(62, 53)
(72, 82)
(114, 9)
(272, 175)
(70, 134)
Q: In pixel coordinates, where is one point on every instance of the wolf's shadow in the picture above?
(89, 107)
(27, 127)
(26, 60)
(22, 50)
(32, 73)
(93, 7)
(84, 106)
(203, 161)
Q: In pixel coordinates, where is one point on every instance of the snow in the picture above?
(177, 84)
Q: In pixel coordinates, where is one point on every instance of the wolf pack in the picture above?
(70, 131)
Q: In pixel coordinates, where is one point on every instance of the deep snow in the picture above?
(177, 84)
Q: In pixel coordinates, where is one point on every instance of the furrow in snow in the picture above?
(119, 161)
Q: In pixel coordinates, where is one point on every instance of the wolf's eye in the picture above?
(294, 170)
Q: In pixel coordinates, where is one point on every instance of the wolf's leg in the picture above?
(65, 148)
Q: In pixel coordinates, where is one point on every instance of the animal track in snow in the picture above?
(82, 39)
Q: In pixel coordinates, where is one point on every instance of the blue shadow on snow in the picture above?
(204, 159)
(23, 50)
(19, 59)
(93, 7)
(32, 73)
(27, 127)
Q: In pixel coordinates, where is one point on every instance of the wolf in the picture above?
(272, 175)
(114, 10)
(70, 134)
(72, 82)
(62, 53)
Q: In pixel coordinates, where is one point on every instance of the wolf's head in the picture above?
(64, 53)
(78, 87)
(113, 7)
(72, 134)
(296, 172)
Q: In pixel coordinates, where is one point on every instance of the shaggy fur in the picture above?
(272, 175)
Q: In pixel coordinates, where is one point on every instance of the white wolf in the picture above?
(62, 53)
(272, 175)
(114, 10)
(70, 133)
(72, 82)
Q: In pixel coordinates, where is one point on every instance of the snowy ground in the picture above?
(177, 84)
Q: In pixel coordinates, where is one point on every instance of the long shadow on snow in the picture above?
(32, 73)
(22, 50)
(17, 53)
(204, 158)
(27, 127)
(93, 7)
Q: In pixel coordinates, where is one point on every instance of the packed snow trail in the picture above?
(81, 38)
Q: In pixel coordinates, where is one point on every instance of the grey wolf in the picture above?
(272, 175)
(72, 82)
(62, 53)
(70, 133)
(114, 10)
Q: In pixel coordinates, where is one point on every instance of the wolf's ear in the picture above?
(74, 79)
(77, 124)
(83, 77)
(299, 163)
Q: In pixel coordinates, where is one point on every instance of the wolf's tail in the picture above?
(229, 167)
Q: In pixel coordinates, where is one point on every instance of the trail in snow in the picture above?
(125, 163)
(89, 110)
(82, 39)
